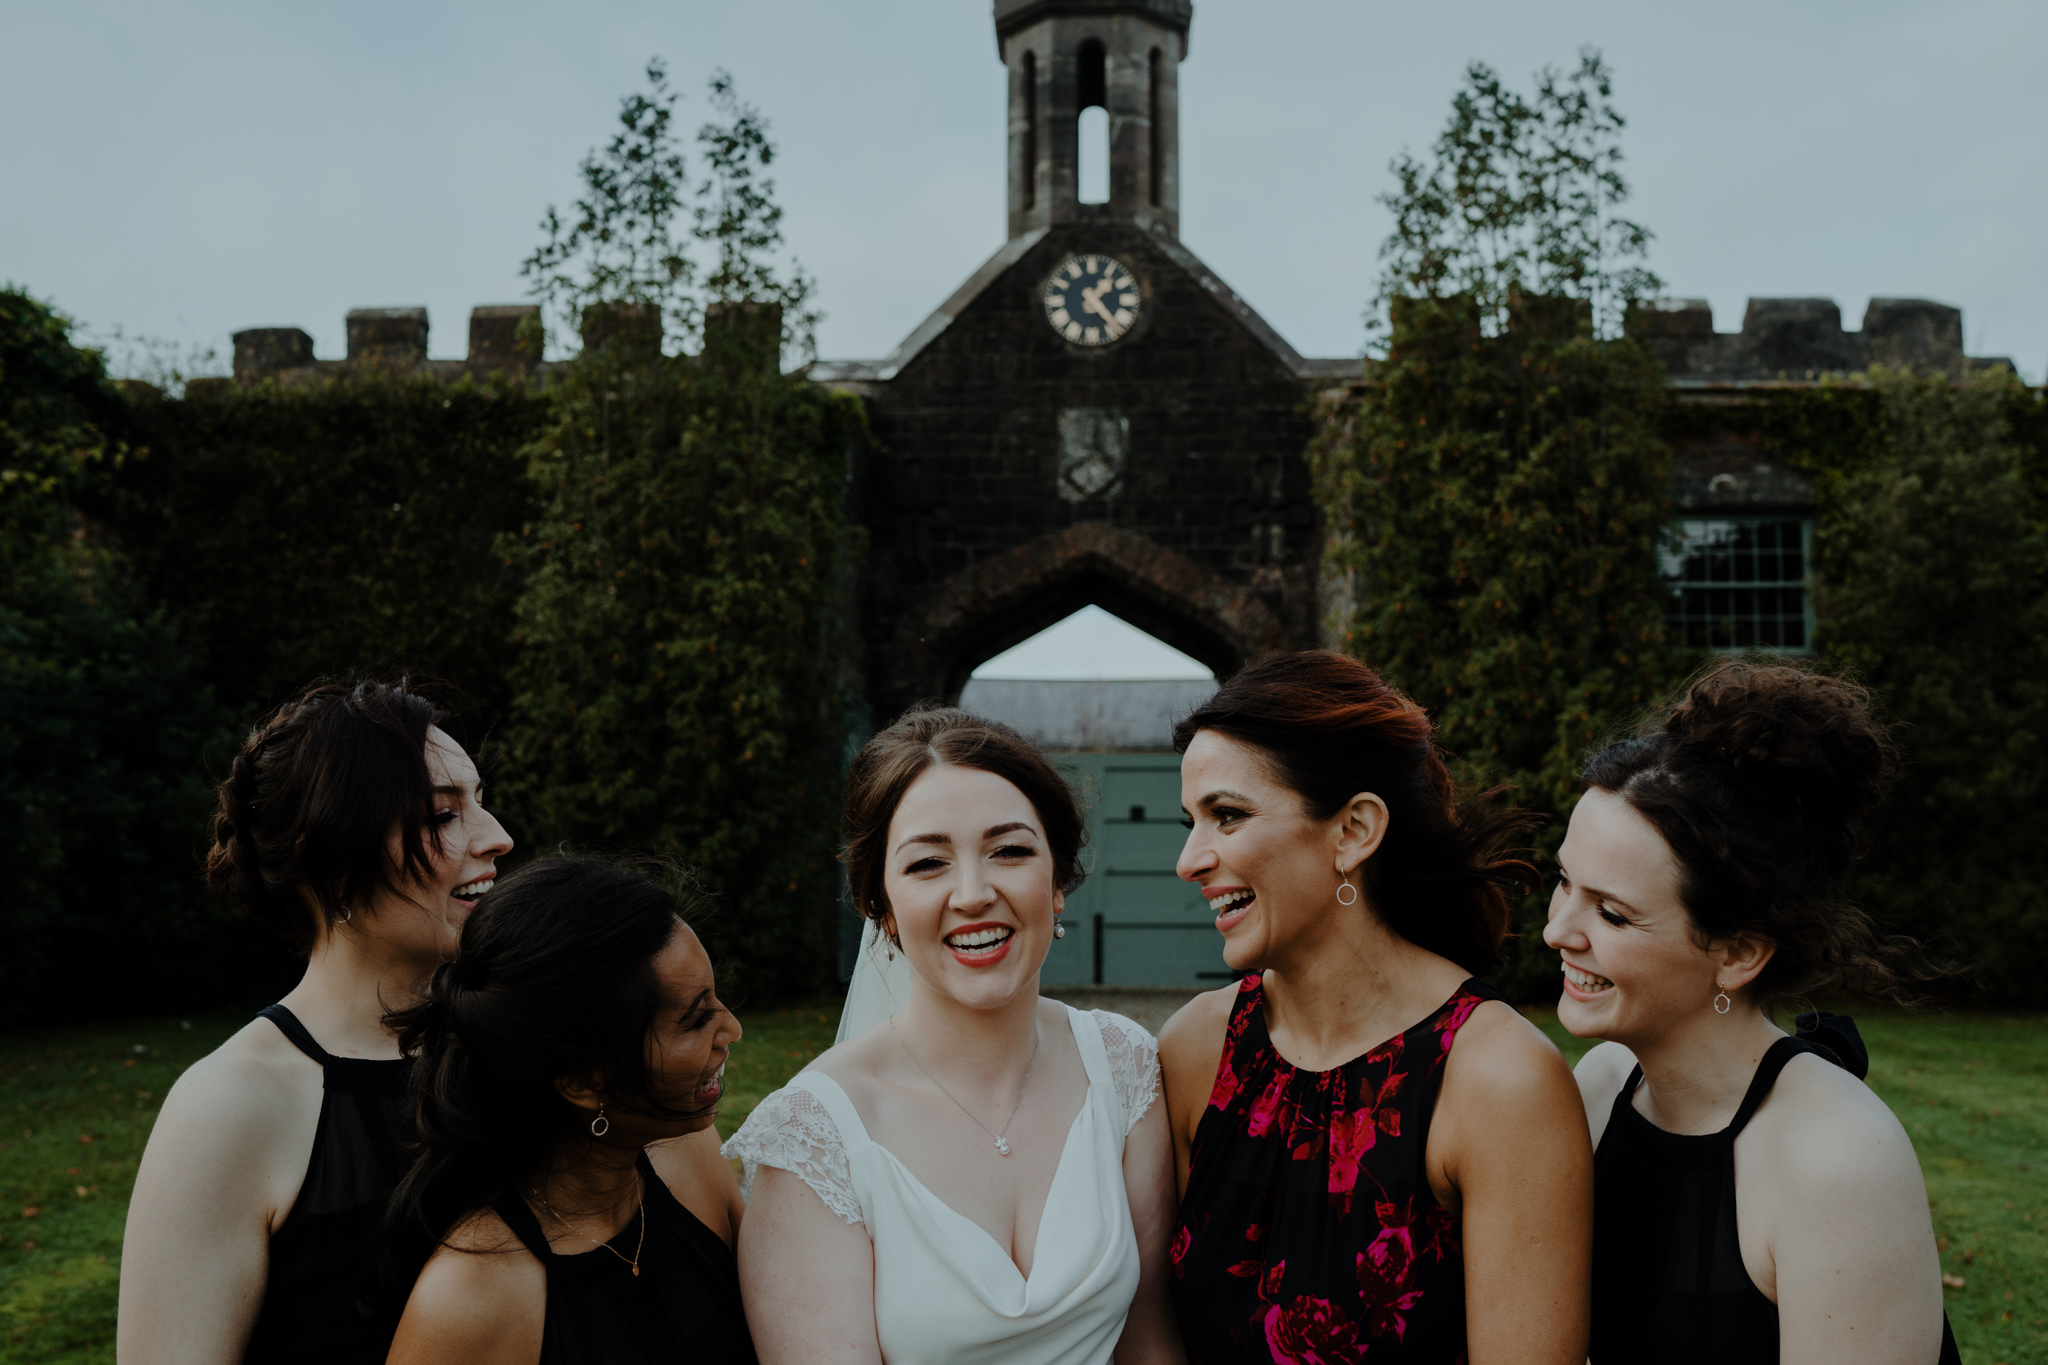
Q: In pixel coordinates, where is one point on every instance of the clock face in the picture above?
(1091, 300)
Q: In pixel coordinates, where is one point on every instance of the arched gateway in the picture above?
(1093, 416)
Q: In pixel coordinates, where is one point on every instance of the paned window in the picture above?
(1740, 583)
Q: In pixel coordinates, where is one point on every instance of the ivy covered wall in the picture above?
(1497, 504)
(175, 567)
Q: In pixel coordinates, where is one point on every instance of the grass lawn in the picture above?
(76, 1105)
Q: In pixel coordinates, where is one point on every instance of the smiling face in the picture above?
(688, 1044)
(425, 920)
(692, 1036)
(1633, 969)
(969, 884)
(1267, 869)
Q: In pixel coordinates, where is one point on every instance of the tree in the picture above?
(622, 247)
(1518, 201)
(1933, 560)
(680, 681)
(104, 723)
(1495, 492)
(737, 216)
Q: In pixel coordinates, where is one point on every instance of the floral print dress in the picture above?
(1308, 1233)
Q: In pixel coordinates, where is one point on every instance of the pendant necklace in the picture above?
(639, 1247)
(1002, 1142)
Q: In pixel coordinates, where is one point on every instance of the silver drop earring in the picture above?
(1344, 886)
(600, 1125)
(1722, 1004)
(1058, 930)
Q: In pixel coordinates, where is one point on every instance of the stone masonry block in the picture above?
(391, 335)
(266, 350)
(494, 338)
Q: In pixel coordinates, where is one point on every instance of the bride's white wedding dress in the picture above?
(944, 1290)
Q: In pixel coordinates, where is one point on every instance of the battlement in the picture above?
(501, 339)
(1801, 340)
(1782, 341)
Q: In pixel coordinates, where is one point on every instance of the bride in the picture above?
(973, 1173)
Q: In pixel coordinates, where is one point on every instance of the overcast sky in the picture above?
(185, 170)
(1092, 644)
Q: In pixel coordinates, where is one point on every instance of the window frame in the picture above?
(1678, 545)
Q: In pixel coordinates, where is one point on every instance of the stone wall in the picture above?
(1019, 477)
(394, 338)
(1800, 340)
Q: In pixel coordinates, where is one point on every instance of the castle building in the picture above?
(1094, 416)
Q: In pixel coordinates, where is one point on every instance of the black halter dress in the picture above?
(684, 1305)
(1669, 1286)
(322, 1255)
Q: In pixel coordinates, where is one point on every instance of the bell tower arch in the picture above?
(1065, 56)
(1092, 416)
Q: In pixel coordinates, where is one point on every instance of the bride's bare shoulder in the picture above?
(854, 1063)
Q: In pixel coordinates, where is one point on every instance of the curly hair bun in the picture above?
(1786, 733)
(1759, 777)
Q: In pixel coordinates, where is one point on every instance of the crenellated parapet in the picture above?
(1801, 340)
(503, 339)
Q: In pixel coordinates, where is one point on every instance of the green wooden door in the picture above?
(1133, 922)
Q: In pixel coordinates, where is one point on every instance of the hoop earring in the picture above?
(1344, 886)
(1722, 1004)
(1058, 930)
(600, 1125)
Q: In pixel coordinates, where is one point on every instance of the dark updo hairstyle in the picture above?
(929, 736)
(312, 798)
(554, 980)
(1759, 776)
(1330, 728)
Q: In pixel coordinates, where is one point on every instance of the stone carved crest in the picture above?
(1094, 443)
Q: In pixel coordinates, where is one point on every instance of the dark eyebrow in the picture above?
(933, 838)
(697, 1000)
(995, 831)
(1222, 794)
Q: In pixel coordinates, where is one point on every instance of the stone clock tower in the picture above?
(1122, 58)
(1093, 416)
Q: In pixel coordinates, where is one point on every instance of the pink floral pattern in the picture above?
(1311, 1331)
(1309, 1234)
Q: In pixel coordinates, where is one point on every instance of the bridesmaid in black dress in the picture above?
(1379, 1159)
(1700, 887)
(568, 1203)
(353, 823)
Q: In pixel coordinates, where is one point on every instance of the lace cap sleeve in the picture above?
(1133, 1064)
(791, 1131)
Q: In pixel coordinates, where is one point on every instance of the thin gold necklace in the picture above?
(1002, 1140)
(639, 1247)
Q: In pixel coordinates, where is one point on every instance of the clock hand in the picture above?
(1091, 302)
